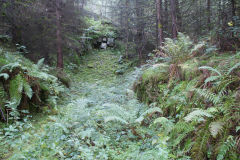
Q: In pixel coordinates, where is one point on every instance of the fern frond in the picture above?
(10, 66)
(152, 110)
(225, 147)
(215, 128)
(161, 120)
(180, 131)
(4, 75)
(166, 124)
(115, 118)
(233, 68)
(197, 47)
(208, 95)
(197, 115)
(148, 112)
(211, 69)
(27, 89)
(40, 62)
(15, 90)
(211, 79)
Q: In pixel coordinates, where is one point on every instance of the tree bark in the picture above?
(83, 3)
(166, 16)
(209, 14)
(178, 16)
(159, 23)
(174, 20)
(140, 28)
(127, 26)
(59, 38)
(233, 8)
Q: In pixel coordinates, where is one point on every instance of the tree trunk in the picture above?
(159, 23)
(174, 20)
(179, 16)
(209, 14)
(83, 3)
(233, 8)
(140, 28)
(121, 15)
(59, 39)
(166, 16)
(199, 22)
(219, 13)
(127, 26)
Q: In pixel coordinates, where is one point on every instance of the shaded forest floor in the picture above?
(80, 130)
(99, 116)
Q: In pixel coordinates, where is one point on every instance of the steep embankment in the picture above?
(201, 105)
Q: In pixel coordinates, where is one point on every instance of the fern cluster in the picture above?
(204, 108)
(181, 49)
(28, 84)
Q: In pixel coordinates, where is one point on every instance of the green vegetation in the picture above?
(25, 87)
(202, 106)
(189, 117)
(99, 29)
(103, 80)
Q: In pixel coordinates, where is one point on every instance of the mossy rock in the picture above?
(62, 77)
(190, 69)
(90, 65)
(158, 72)
(146, 87)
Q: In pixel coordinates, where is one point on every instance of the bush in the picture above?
(181, 49)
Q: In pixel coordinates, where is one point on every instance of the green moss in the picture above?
(190, 69)
(147, 87)
(104, 63)
(158, 72)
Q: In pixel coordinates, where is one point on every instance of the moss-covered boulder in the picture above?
(156, 73)
(146, 87)
(190, 69)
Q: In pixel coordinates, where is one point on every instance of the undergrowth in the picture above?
(195, 116)
(203, 105)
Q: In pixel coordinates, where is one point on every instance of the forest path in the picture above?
(80, 130)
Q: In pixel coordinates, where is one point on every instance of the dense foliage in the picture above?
(119, 79)
(202, 104)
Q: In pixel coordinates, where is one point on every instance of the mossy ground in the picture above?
(98, 66)
(94, 84)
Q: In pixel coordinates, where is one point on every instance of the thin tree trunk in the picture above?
(140, 28)
(233, 12)
(127, 26)
(219, 13)
(209, 14)
(59, 39)
(159, 23)
(121, 15)
(105, 8)
(199, 24)
(224, 18)
(174, 20)
(166, 15)
(83, 3)
(233, 8)
(179, 16)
